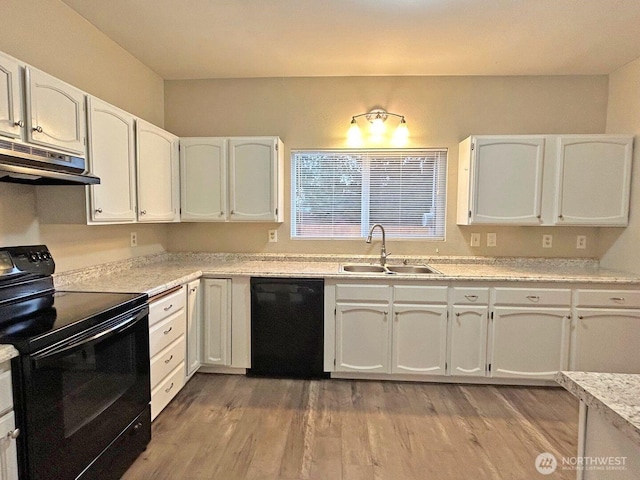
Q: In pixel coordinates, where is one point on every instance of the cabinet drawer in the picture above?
(532, 296)
(166, 390)
(608, 298)
(166, 360)
(166, 332)
(6, 392)
(165, 306)
(470, 296)
(371, 293)
(419, 294)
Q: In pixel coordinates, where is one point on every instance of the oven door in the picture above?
(82, 393)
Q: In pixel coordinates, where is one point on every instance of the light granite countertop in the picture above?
(7, 352)
(616, 395)
(157, 273)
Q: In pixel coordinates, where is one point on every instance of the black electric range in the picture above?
(81, 381)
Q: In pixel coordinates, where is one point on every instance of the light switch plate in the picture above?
(475, 240)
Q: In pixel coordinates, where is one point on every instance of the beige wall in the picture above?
(50, 36)
(440, 111)
(621, 248)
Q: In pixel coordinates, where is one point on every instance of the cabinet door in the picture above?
(506, 182)
(529, 343)
(468, 341)
(158, 174)
(203, 177)
(8, 451)
(56, 113)
(194, 327)
(253, 179)
(419, 339)
(217, 322)
(594, 180)
(362, 338)
(10, 98)
(607, 340)
(112, 159)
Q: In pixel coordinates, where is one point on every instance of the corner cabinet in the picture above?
(158, 174)
(544, 180)
(112, 158)
(237, 179)
(56, 113)
(11, 106)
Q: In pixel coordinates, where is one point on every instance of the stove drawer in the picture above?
(166, 332)
(165, 306)
(166, 390)
(168, 359)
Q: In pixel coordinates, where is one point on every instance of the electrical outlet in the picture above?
(475, 239)
(491, 239)
(547, 241)
(581, 241)
(273, 236)
(134, 239)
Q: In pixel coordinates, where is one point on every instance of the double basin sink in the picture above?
(388, 269)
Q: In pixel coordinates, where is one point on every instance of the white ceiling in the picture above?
(186, 39)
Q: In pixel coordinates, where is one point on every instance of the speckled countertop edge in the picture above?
(7, 352)
(615, 395)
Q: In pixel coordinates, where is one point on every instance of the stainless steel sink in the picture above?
(363, 268)
(388, 269)
(416, 269)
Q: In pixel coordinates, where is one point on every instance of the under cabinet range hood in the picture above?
(21, 163)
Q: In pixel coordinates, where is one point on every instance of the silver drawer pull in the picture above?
(166, 309)
(167, 390)
(13, 434)
(533, 298)
(167, 331)
(169, 359)
(617, 299)
(471, 298)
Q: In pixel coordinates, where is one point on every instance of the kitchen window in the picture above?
(341, 193)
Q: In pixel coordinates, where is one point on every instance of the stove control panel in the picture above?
(31, 259)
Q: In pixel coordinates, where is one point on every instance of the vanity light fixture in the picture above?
(377, 128)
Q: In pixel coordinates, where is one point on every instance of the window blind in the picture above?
(341, 193)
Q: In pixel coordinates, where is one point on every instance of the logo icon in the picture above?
(546, 463)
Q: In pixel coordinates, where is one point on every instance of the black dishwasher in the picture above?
(287, 318)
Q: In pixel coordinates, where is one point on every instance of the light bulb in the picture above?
(377, 126)
(401, 134)
(354, 135)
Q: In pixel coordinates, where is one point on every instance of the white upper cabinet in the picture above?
(203, 179)
(112, 159)
(501, 180)
(594, 178)
(56, 113)
(237, 179)
(255, 179)
(158, 174)
(544, 180)
(11, 115)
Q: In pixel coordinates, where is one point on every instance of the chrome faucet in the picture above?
(383, 249)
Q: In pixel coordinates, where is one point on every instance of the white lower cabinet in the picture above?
(194, 327)
(384, 329)
(167, 347)
(606, 331)
(217, 322)
(468, 340)
(8, 431)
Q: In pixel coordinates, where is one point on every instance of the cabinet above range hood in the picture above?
(21, 163)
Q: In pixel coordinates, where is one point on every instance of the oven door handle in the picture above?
(119, 327)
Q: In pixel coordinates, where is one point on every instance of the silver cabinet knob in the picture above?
(98, 210)
(13, 434)
(37, 129)
(143, 212)
(19, 123)
(194, 289)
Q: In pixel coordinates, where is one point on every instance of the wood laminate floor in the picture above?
(232, 427)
